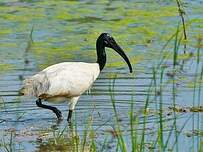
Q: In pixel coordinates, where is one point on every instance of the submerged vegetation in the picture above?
(157, 108)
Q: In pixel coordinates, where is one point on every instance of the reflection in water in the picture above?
(65, 140)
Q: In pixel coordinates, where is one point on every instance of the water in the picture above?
(67, 31)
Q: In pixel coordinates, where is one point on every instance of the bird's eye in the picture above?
(105, 42)
(108, 35)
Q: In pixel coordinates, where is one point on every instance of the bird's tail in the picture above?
(28, 89)
(35, 86)
(21, 91)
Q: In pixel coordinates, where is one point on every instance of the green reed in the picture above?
(8, 146)
(121, 142)
(182, 16)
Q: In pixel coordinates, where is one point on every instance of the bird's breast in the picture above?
(57, 99)
(60, 98)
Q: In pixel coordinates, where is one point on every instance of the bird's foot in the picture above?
(54, 109)
(69, 121)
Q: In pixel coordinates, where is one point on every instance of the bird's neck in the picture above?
(101, 54)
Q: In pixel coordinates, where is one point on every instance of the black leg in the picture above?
(69, 115)
(54, 109)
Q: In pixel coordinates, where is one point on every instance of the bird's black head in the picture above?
(106, 40)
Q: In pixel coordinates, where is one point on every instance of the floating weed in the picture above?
(194, 133)
(134, 60)
(5, 31)
(2, 103)
(187, 109)
(17, 18)
(63, 144)
(178, 109)
(10, 45)
(190, 84)
(196, 109)
(63, 14)
(6, 67)
(168, 11)
(65, 140)
(185, 56)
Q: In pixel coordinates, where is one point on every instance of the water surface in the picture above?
(67, 31)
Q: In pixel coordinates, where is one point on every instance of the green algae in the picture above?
(5, 68)
(58, 22)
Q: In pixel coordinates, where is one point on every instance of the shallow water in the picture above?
(66, 31)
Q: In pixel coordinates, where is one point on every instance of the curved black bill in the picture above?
(120, 51)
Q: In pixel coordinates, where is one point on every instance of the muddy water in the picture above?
(66, 31)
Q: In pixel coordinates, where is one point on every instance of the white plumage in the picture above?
(62, 81)
(69, 80)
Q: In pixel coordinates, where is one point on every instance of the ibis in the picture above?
(67, 81)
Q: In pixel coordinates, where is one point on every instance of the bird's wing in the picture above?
(72, 79)
(64, 79)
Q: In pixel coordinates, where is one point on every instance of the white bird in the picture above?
(69, 80)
